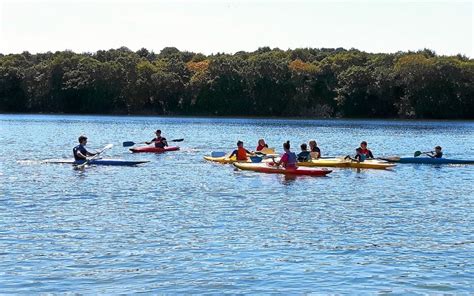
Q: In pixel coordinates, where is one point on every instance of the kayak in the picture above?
(266, 168)
(225, 159)
(347, 163)
(153, 149)
(428, 160)
(100, 161)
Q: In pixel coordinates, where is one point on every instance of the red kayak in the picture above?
(265, 168)
(153, 149)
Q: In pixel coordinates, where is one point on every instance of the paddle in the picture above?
(218, 154)
(389, 158)
(82, 165)
(418, 153)
(267, 152)
(131, 143)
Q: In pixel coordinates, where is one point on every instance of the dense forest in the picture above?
(268, 82)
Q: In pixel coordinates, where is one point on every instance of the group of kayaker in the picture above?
(313, 153)
(287, 160)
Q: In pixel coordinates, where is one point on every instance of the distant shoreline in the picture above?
(275, 83)
(296, 118)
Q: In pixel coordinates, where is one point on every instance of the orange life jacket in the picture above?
(241, 153)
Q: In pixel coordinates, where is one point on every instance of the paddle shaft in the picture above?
(131, 143)
(82, 165)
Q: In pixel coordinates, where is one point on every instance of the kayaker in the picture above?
(362, 153)
(288, 159)
(240, 152)
(437, 153)
(314, 150)
(304, 155)
(261, 145)
(80, 152)
(160, 142)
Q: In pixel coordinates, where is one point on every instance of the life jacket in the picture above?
(260, 147)
(159, 142)
(79, 148)
(241, 153)
(363, 154)
(291, 160)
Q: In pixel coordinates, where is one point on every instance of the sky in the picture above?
(234, 25)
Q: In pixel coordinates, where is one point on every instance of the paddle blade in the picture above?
(417, 153)
(217, 154)
(177, 140)
(128, 144)
(268, 151)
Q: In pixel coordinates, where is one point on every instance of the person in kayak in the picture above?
(288, 159)
(362, 153)
(80, 152)
(437, 153)
(314, 150)
(261, 145)
(240, 152)
(304, 155)
(160, 142)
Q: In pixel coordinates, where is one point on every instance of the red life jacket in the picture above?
(241, 153)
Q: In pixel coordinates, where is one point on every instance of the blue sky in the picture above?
(229, 25)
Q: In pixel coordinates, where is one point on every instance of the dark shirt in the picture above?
(437, 155)
(81, 149)
(366, 152)
(160, 142)
(316, 149)
(303, 156)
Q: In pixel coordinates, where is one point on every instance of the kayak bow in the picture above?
(429, 160)
(347, 163)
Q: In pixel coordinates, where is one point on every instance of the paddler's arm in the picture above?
(249, 152)
(90, 153)
(80, 155)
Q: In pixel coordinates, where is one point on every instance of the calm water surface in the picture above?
(181, 225)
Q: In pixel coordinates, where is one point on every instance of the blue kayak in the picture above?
(428, 160)
(100, 161)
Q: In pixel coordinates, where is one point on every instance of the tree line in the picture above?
(267, 82)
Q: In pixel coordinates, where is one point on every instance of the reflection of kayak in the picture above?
(347, 163)
(266, 168)
(153, 149)
(225, 159)
(428, 160)
(100, 161)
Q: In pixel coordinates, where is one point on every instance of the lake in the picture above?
(179, 224)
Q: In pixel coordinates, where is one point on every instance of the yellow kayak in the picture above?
(347, 163)
(223, 159)
(226, 159)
